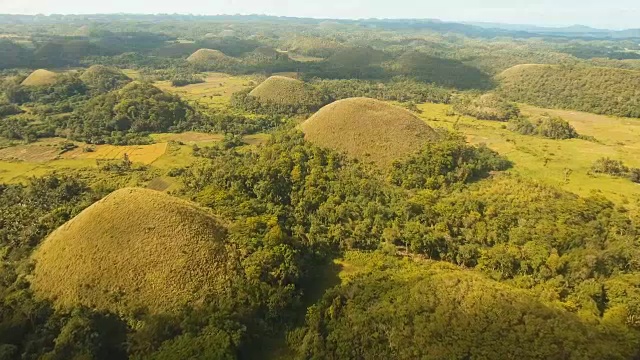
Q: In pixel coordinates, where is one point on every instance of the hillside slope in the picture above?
(432, 310)
(134, 249)
(284, 91)
(40, 77)
(592, 89)
(368, 129)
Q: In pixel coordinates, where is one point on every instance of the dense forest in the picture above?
(304, 204)
(307, 250)
(592, 89)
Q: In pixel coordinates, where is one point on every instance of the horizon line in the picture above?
(465, 22)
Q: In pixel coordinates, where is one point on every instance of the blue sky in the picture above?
(613, 14)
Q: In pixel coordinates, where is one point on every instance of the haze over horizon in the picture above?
(615, 14)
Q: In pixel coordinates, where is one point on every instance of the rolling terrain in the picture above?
(598, 90)
(566, 163)
(250, 187)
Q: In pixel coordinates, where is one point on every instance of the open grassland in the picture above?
(144, 154)
(564, 163)
(45, 150)
(19, 162)
(216, 91)
(190, 137)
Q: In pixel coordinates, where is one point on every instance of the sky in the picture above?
(611, 14)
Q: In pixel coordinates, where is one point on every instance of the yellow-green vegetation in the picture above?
(132, 74)
(283, 91)
(208, 57)
(563, 163)
(215, 91)
(144, 154)
(44, 150)
(597, 90)
(368, 129)
(40, 77)
(392, 309)
(189, 137)
(134, 250)
(19, 162)
(489, 106)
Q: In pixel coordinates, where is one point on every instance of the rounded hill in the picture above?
(136, 249)
(441, 71)
(210, 57)
(103, 78)
(283, 90)
(177, 50)
(40, 77)
(368, 129)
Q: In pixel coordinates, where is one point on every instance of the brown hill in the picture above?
(40, 77)
(284, 91)
(368, 129)
(210, 57)
(134, 249)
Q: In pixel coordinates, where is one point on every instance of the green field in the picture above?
(564, 163)
(19, 163)
(214, 92)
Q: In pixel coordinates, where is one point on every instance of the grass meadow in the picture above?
(564, 163)
(215, 92)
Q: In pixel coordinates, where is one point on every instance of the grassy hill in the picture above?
(592, 89)
(368, 129)
(210, 58)
(134, 249)
(282, 90)
(40, 77)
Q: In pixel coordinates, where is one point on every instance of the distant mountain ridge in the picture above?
(473, 29)
(572, 30)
